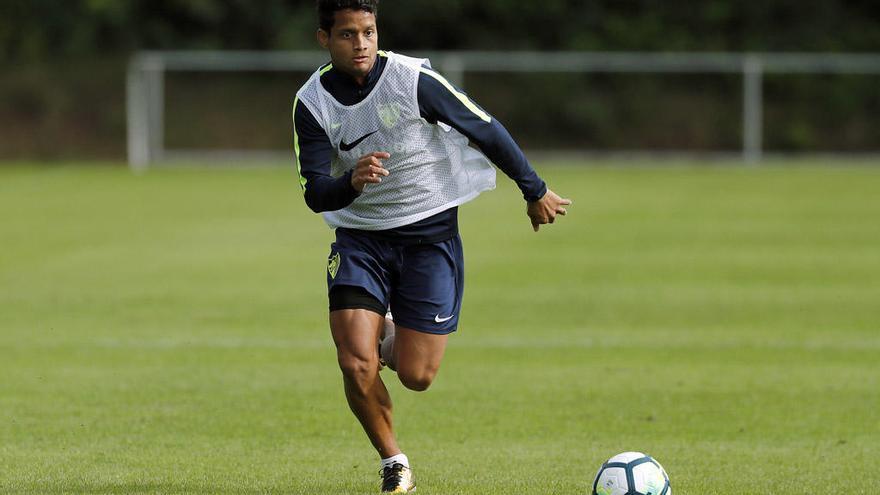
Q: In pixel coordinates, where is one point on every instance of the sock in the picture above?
(395, 459)
(386, 348)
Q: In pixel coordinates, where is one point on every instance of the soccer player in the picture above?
(381, 144)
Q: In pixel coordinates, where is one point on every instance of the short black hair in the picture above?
(327, 10)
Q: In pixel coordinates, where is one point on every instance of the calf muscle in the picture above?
(356, 335)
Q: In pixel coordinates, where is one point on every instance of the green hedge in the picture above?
(62, 68)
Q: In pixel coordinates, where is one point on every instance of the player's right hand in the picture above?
(369, 170)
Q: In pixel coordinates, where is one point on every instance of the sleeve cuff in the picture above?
(532, 196)
(352, 192)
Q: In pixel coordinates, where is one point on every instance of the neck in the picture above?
(361, 79)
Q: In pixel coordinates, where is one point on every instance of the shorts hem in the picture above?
(418, 328)
(357, 306)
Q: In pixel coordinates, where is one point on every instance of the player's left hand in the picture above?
(545, 209)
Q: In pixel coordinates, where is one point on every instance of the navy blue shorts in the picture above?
(422, 284)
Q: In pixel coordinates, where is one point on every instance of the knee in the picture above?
(359, 371)
(418, 381)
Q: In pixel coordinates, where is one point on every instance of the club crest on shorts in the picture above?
(389, 114)
(333, 265)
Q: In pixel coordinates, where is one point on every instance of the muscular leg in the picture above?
(418, 356)
(356, 334)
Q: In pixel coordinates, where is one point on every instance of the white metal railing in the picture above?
(146, 74)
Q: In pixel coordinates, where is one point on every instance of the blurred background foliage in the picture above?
(62, 68)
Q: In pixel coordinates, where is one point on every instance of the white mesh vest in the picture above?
(432, 168)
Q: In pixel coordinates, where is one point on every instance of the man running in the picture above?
(381, 144)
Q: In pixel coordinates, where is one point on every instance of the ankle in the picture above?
(395, 459)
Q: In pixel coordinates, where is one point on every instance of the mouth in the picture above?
(361, 59)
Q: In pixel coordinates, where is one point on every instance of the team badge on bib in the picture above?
(389, 114)
(333, 265)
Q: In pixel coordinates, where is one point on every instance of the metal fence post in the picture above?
(145, 110)
(452, 66)
(155, 77)
(136, 114)
(753, 118)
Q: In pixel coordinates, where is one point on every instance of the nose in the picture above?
(360, 43)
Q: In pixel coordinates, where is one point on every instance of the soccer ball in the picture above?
(631, 473)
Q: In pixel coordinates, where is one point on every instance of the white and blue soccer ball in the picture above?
(631, 473)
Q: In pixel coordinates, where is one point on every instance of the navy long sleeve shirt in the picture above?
(438, 102)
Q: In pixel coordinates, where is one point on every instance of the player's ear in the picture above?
(323, 38)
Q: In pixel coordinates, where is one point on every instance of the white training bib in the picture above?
(431, 168)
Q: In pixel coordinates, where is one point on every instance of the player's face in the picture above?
(352, 42)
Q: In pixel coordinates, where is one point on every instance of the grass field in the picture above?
(166, 333)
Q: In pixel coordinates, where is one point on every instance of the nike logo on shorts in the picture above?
(348, 147)
(443, 320)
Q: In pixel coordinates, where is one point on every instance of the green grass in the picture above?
(166, 333)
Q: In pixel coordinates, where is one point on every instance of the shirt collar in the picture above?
(345, 89)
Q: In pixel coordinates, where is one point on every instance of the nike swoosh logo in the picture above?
(441, 320)
(348, 147)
